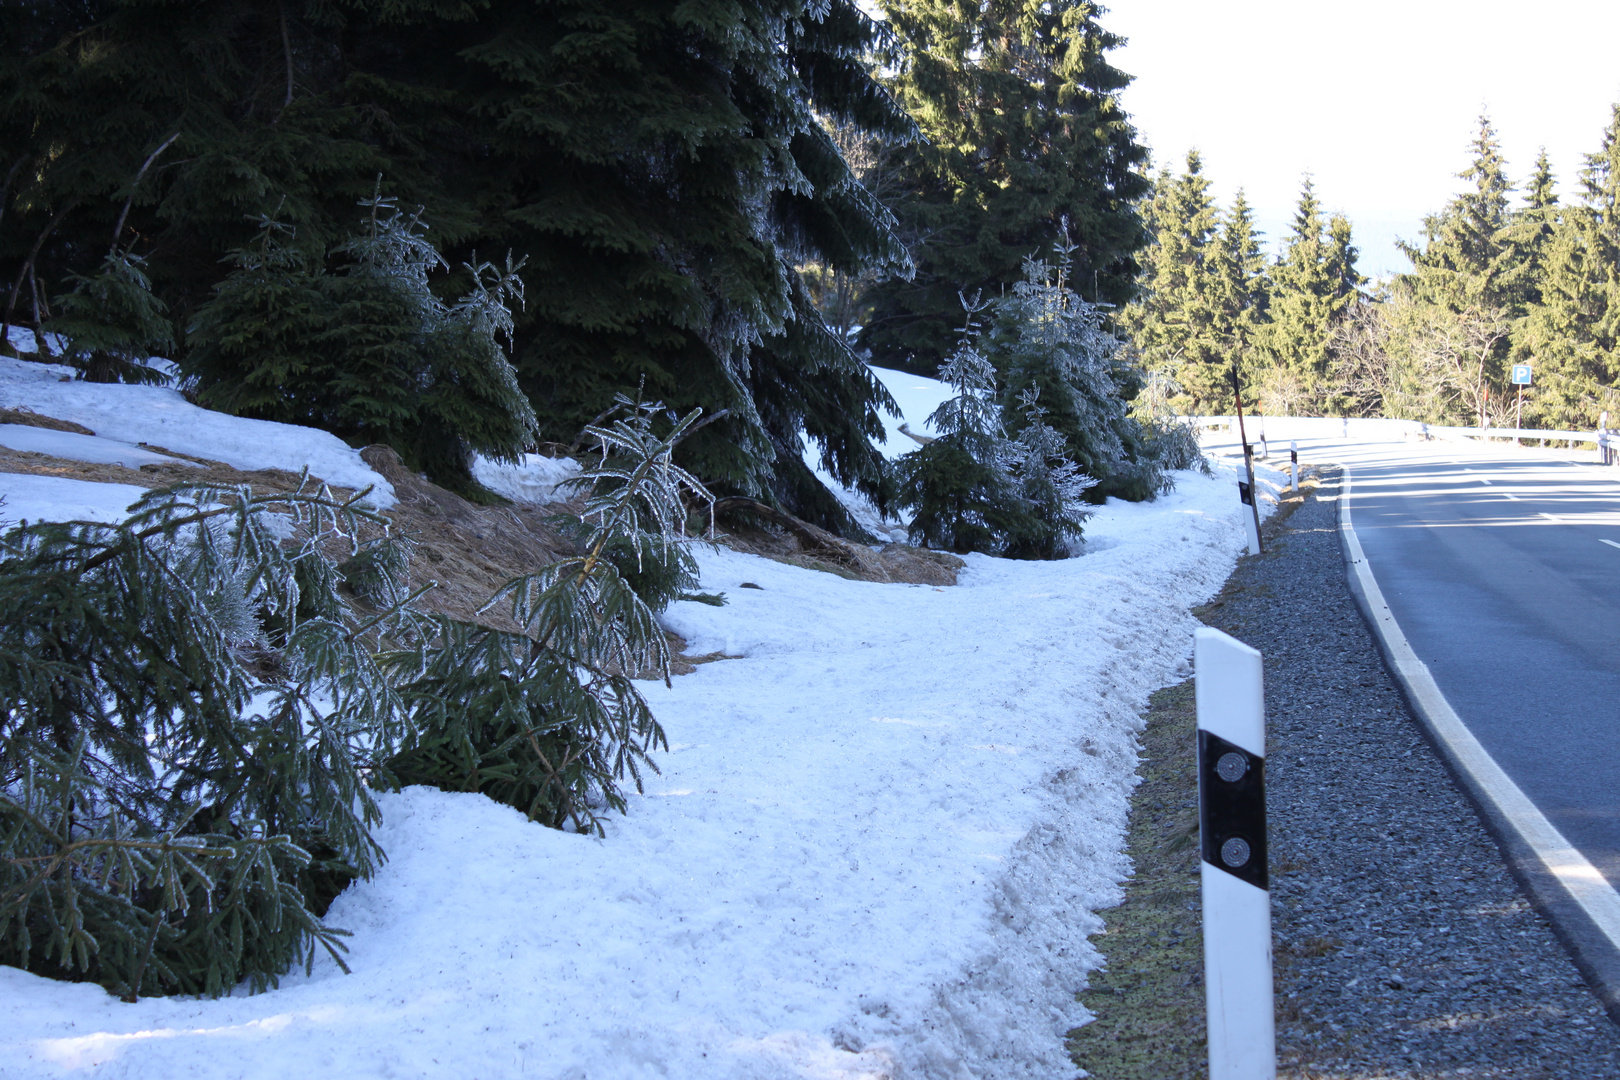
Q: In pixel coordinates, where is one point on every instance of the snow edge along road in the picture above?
(1564, 886)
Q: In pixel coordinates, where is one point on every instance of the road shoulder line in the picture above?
(1574, 896)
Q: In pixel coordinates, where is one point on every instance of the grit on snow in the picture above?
(875, 848)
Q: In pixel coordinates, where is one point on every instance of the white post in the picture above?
(1232, 828)
(1293, 465)
(1251, 515)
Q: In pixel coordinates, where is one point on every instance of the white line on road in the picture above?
(1552, 517)
(1584, 883)
(1611, 543)
(1510, 495)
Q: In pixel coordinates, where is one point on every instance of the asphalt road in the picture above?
(1503, 569)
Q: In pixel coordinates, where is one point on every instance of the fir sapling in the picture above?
(961, 486)
(1053, 485)
(112, 325)
(548, 720)
(368, 351)
(188, 710)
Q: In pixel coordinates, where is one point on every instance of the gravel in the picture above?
(1404, 947)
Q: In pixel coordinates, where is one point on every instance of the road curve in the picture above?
(1493, 578)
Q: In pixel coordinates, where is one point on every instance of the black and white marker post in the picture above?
(1232, 835)
(1293, 465)
(1246, 490)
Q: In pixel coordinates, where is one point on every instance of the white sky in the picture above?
(1378, 100)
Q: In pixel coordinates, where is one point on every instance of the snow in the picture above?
(76, 447)
(55, 498)
(876, 848)
(534, 480)
(161, 417)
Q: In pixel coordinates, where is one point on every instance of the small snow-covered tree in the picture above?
(961, 485)
(1052, 484)
(548, 719)
(1044, 337)
(370, 351)
(187, 708)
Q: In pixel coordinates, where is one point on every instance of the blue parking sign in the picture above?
(1521, 374)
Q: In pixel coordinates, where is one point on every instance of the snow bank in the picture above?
(875, 849)
(55, 498)
(535, 480)
(159, 415)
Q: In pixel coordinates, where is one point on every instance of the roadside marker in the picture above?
(1235, 881)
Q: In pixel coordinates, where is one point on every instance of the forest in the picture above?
(1502, 275)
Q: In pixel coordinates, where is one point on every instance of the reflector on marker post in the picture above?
(1235, 878)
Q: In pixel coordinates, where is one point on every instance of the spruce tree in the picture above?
(1026, 146)
(1046, 339)
(1573, 334)
(1313, 284)
(960, 485)
(664, 170)
(369, 352)
(1462, 260)
(1242, 301)
(1175, 320)
(1464, 271)
(1526, 237)
(112, 324)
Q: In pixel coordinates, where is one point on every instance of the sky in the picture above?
(1378, 100)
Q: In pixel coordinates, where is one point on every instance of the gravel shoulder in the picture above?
(1404, 948)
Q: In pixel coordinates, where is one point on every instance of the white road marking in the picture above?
(1611, 543)
(1510, 495)
(1584, 883)
(1483, 480)
(1552, 517)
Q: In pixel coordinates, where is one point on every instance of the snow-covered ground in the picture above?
(123, 416)
(875, 848)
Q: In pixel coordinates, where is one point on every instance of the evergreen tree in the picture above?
(170, 822)
(1573, 334)
(1526, 237)
(1048, 340)
(1052, 485)
(112, 323)
(663, 169)
(1176, 319)
(960, 485)
(1026, 146)
(1462, 260)
(1313, 284)
(1242, 301)
(370, 353)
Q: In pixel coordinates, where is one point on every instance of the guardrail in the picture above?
(1341, 427)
